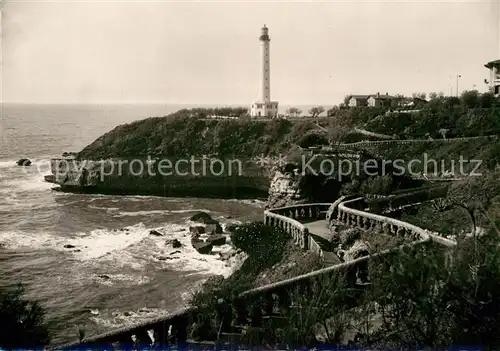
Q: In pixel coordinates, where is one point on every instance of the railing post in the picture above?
(161, 333)
(283, 300)
(180, 330)
(269, 304)
(239, 312)
(305, 238)
(256, 313)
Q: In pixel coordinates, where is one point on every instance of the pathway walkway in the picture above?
(322, 236)
(319, 228)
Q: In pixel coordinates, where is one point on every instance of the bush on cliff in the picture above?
(21, 321)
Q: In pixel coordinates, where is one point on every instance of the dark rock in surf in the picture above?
(213, 228)
(217, 240)
(155, 233)
(198, 229)
(50, 178)
(203, 217)
(24, 162)
(201, 246)
(174, 242)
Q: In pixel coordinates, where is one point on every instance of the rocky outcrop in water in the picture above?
(24, 162)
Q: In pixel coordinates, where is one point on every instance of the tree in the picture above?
(433, 96)
(486, 100)
(291, 111)
(333, 111)
(316, 111)
(21, 321)
(337, 134)
(419, 95)
(470, 98)
(474, 194)
(346, 100)
(294, 112)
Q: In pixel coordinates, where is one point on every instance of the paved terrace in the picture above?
(320, 233)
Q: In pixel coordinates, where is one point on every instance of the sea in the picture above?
(89, 259)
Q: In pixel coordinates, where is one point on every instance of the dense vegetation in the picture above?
(184, 134)
(471, 114)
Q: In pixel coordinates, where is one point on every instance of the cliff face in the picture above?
(113, 177)
(291, 187)
(284, 190)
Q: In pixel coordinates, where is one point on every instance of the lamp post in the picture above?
(458, 76)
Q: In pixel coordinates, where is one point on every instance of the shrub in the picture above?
(263, 243)
(380, 185)
(313, 139)
(21, 321)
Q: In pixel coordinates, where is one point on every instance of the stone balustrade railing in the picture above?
(350, 214)
(411, 141)
(314, 247)
(287, 218)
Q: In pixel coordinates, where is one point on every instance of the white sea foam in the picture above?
(120, 278)
(140, 213)
(132, 247)
(113, 320)
(30, 184)
(256, 203)
(154, 212)
(189, 259)
(7, 163)
(19, 239)
(100, 242)
(108, 209)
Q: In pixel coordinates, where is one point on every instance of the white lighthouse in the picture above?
(264, 107)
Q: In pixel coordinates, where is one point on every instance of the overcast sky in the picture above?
(208, 52)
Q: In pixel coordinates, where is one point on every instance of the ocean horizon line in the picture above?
(208, 105)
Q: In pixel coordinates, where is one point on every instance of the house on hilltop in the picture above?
(372, 100)
(357, 100)
(381, 100)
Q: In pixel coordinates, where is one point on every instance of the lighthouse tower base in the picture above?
(264, 109)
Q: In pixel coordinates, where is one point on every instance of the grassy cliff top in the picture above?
(185, 133)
